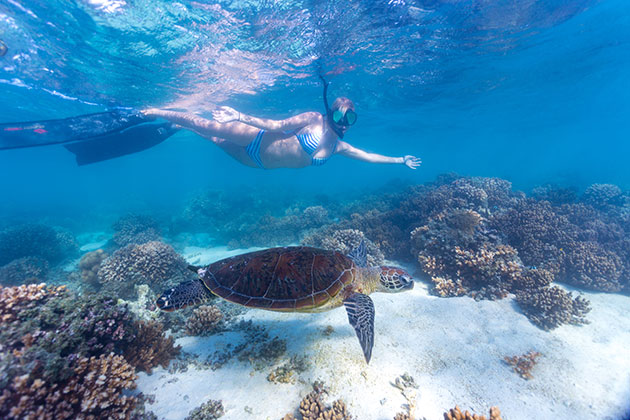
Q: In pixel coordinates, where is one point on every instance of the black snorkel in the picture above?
(328, 111)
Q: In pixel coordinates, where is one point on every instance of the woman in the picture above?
(305, 139)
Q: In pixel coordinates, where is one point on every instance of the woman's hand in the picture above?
(412, 161)
(225, 114)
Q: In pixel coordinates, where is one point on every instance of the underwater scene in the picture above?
(314, 210)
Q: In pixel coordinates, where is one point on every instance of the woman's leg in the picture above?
(237, 152)
(235, 132)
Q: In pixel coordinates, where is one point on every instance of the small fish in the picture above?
(3, 48)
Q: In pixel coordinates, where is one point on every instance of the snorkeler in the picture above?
(305, 139)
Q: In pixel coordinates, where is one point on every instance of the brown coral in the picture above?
(551, 307)
(154, 263)
(90, 264)
(93, 392)
(150, 347)
(523, 364)
(313, 408)
(204, 320)
(17, 298)
(456, 414)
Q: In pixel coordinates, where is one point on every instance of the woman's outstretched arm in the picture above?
(225, 114)
(350, 151)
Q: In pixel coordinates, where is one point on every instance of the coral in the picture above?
(488, 272)
(23, 270)
(90, 264)
(456, 414)
(345, 241)
(555, 194)
(35, 240)
(588, 264)
(313, 408)
(209, 410)
(93, 391)
(523, 364)
(551, 307)
(150, 347)
(135, 229)
(13, 300)
(602, 195)
(532, 279)
(536, 231)
(153, 263)
(286, 372)
(205, 320)
(407, 385)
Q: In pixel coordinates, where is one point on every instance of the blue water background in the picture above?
(531, 91)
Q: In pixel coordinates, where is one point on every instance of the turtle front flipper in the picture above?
(361, 316)
(185, 294)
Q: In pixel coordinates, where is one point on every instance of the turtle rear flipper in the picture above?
(360, 310)
(184, 294)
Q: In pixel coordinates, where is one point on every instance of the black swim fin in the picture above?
(41, 133)
(132, 140)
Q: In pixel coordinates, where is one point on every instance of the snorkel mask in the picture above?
(347, 118)
(338, 117)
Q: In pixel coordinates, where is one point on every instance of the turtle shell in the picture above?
(281, 279)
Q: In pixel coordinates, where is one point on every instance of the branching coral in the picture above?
(456, 414)
(602, 195)
(210, 410)
(205, 320)
(313, 408)
(154, 263)
(345, 241)
(92, 392)
(523, 364)
(35, 240)
(589, 265)
(135, 229)
(551, 307)
(23, 270)
(150, 347)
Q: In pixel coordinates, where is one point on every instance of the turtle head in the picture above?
(185, 294)
(394, 280)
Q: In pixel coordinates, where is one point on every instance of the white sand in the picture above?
(453, 348)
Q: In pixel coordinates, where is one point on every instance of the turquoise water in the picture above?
(534, 93)
(515, 229)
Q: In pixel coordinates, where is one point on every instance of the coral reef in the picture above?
(456, 414)
(49, 333)
(35, 240)
(205, 320)
(313, 408)
(153, 263)
(555, 194)
(209, 410)
(407, 386)
(92, 392)
(551, 307)
(602, 195)
(150, 347)
(344, 241)
(89, 265)
(523, 364)
(135, 229)
(24, 270)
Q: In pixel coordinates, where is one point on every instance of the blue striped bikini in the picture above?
(308, 141)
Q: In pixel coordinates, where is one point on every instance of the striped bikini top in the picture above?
(310, 143)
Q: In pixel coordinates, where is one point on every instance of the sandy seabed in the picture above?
(453, 348)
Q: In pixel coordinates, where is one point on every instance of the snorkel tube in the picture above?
(328, 111)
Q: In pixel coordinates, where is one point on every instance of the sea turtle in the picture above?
(295, 279)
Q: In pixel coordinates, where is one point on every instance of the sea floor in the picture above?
(453, 348)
